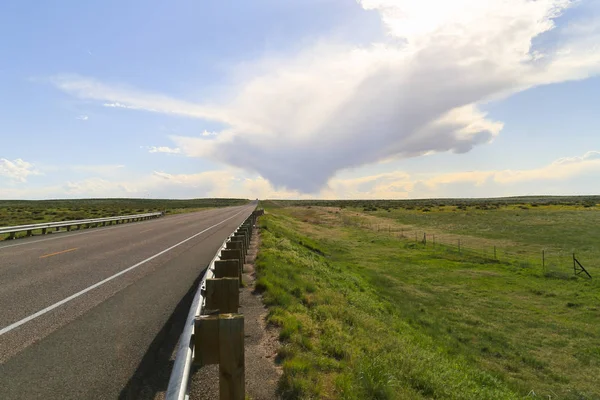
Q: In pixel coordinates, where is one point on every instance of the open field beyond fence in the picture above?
(367, 313)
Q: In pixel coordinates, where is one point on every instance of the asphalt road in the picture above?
(79, 311)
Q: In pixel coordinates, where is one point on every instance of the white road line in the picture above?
(89, 230)
(102, 282)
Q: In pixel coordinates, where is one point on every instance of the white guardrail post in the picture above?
(216, 338)
(44, 227)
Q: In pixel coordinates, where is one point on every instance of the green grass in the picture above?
(519, 232)
(565, 227)
(21, 212)
(367, 316)
(541, 234)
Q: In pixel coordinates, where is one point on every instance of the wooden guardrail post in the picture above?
(206, 340)
(219, 339)
(242, 238)
(223, 294)
(227, 269)
(234, 254)
(244, 231)
(238, 245)
(237, 242)
(232, 385)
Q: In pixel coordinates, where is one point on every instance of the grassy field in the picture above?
(537, 232)
(367, 315)
(21, 212)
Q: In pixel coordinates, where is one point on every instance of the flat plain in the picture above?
(368, 311)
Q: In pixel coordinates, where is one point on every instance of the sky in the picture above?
(347, 99)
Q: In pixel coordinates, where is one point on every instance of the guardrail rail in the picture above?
(44, 227)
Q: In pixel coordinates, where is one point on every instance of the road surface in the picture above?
(80, 311)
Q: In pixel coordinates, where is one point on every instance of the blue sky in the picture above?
(318, 98)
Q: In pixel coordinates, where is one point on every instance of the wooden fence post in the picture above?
(543, 261)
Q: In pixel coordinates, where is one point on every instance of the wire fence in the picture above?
(551, 262)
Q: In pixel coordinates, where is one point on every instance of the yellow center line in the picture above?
(59, 252)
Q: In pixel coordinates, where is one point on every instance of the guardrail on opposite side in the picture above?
(11, 230)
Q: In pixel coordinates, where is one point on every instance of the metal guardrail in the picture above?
(179, 380)
(50, 225)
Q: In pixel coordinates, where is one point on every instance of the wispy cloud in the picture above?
(17, 170)
(297, 121)
(125, 97)
(164, 149)
(83, 118)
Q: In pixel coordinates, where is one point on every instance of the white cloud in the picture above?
(389, 185)
(300, 120)
(164, 149)
(399, 185)
(83, 118)
(17, 170)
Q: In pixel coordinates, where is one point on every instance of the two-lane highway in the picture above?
(79, 310)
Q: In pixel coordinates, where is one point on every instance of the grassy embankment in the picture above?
(21, 212)
(364, 315)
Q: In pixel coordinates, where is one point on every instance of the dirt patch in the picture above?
(260, 344)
